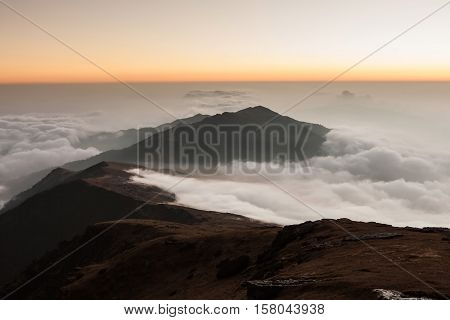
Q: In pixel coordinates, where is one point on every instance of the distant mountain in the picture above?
(224, 141)
(105, 141)
(256, 116)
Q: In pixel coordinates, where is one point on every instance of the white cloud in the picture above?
(364, 179)
(218, 101)
(31, 142)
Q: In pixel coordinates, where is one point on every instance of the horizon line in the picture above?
(224, 81)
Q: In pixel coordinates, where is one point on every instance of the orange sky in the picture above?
(78, 75)
(249, 40)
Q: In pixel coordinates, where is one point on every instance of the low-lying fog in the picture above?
(365, 179)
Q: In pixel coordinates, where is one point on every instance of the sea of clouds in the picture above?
(33, 142)
(369, 174)
(364, 177)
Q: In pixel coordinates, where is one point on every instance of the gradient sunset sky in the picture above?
(234, 40)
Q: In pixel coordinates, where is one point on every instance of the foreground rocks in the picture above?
(222, 257)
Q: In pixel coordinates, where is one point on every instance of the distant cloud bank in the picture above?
(217, 101)
(365, 179)
(33, 142)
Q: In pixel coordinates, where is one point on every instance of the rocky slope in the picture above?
(167, 251)
(67, 203)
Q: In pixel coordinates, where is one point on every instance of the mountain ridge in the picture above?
(312, 136)
(105, 141)
(99, 193)
(168, 251)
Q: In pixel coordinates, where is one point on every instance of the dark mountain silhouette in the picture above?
(55, 177)
(222, 138)
(20, 185)
(64, 204)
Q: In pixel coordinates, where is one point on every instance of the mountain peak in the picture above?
(257, 109)
(253, 115)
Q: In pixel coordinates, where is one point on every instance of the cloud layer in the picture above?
(29, 143)
(218, 101)
(364, 179)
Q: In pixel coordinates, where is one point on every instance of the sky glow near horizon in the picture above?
(247, 40)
